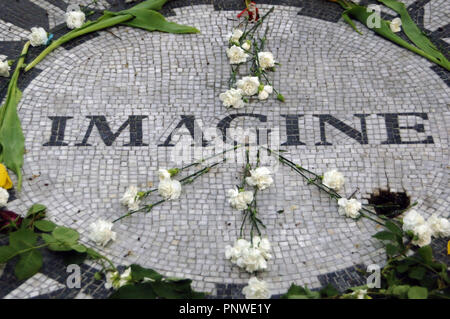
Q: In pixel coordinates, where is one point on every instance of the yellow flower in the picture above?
(5, 181)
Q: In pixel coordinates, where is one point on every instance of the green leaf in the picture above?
(36, 209)
(28, 264)
(138, 273)
(137, 291)
(55, 244)
(384, 235)
(394, 228)
(22, 239)
(400, 291)
(93, 254)
(391, 250)
(151, 20)
(402, 268)
(417, 273)
(417, 292)
(179, 289)
(299, 292)
(79, 248)
(65, 235)
(6, 252)
(426, 252)
(45, 225)
(329, 291)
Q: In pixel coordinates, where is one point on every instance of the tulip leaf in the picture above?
(413, 32)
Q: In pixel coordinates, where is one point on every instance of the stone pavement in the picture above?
(107, 111)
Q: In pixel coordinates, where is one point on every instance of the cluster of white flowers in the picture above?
(239, 199)
(4, 68)
(349, 207)
(115, 280)
(251, 256)
(333, 179)
(75, 19)
(424, 230)
(101, 232)
(4, 196)
(256, 289)
(247, 86)
(168, 188)
(396, 25)
(260, 177)
(38, 37)
(131, 198)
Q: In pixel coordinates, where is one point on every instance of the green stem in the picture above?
(99, 24)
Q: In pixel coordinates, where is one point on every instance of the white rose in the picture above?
(266, 60)
(101, 232)
(4, 196)
(333, 179)
(169, 189)
(232, 98)
(130, 198)
(395, 25)
(163, 174)
(38, 37)
(4, 68)
(239, 200)
(264, 94)
(249, 85)
(424, 233)
(236, 55)
(75, 19)
(256, 289)
(439, 226)
(236, 35)
(260, 177)
(412, 219)
(349, 208)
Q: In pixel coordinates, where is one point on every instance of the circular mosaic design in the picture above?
(109, 111)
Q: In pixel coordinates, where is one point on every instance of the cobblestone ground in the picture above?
(358, 103)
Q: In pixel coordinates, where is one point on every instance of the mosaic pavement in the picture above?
(107, 111)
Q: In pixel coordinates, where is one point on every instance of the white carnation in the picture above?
(349, 208)
(256, 289)
(249, 85)
(236, 55)
(131, 198)
(266, 60)
(333, 179)
(75, 19)
(4, 68)
(246, 45)
(265, 92)
(254, 260)
(439, 226)
(250, 256)
(163, 174)
(38, 37)
(101, 232)
(260, 177)
(4, 196)
(169, 189)
(239, 200)
(236, 35)
(232, 98)
(412, 219)
(395, 25)
(423, 233)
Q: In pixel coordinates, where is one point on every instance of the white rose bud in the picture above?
(237, 34)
